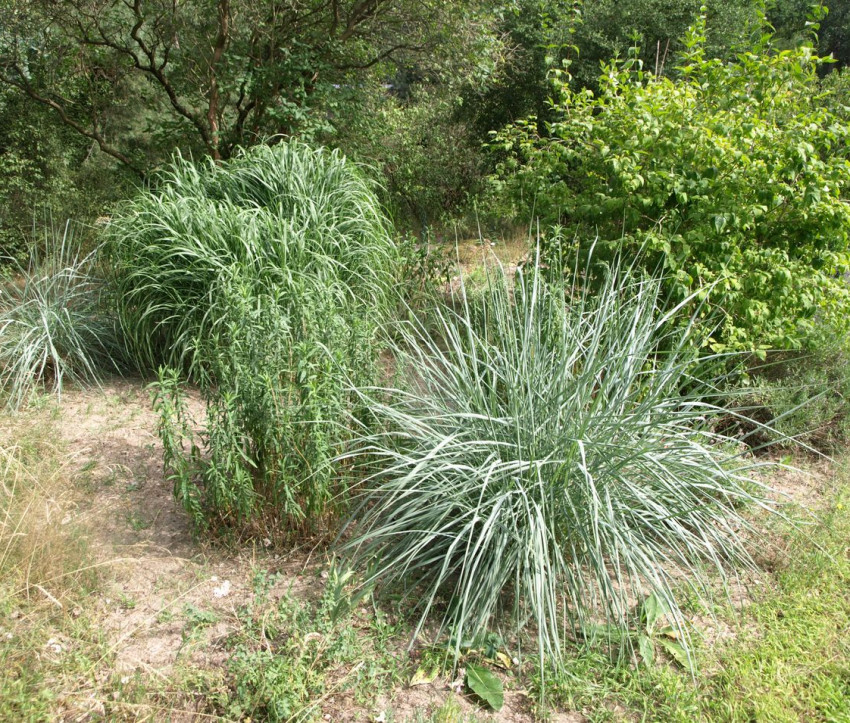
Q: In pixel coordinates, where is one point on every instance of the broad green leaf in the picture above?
(653, 609)
(646, 648)
(676, 651)
(486, 686)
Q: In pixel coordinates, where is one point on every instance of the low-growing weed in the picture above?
(290, 659)
(807, 397)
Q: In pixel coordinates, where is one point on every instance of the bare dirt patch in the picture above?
(171, 599)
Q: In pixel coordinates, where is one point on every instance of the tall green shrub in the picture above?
(733, 176)
(265, 279)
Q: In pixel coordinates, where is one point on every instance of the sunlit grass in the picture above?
(550, 461)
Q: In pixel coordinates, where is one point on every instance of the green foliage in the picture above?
(285, 221)
(289, 655)
(46, 169)
(544, 461)
(732, 177)
(485, 685)
(53, 327)
(266, 278)
(142, 78)
(427, 160)
(541, 34)
(609, 29)
(425, 268)
(807, 397)
(792, 22)
(797, 666)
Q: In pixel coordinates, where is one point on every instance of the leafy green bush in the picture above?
(732, 176)
(543, 461)
(52, 322)
(266, 278)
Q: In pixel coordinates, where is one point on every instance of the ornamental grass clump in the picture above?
(550, 462)
(264, 279)
(53, 325)
(288, 218)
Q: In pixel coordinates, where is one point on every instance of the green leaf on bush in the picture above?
(486, 686)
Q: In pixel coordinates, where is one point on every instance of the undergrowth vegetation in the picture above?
(549, 461)
(266, 280)
(46, 573)
(789, 656)
(806, 397)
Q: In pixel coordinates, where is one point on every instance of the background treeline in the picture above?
(95, 95)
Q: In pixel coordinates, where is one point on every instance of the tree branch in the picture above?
(92, 133)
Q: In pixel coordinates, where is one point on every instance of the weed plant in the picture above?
(266, 279)
(549, 463)
(291, 660)
(53, 328)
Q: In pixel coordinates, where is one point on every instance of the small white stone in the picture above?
(222, 590)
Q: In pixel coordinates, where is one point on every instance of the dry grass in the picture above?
(41, 552)
(487, 252)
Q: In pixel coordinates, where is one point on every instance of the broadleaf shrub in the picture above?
(265, 279)
(549, 460)
(732, 176)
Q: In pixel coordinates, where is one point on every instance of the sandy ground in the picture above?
(157, 567)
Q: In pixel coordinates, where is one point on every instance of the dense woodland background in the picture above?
(95, 95)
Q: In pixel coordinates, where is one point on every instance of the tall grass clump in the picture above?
(265, 280)
(289, 219)
(550, 463)
(53, 328)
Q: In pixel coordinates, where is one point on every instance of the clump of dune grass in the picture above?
(549, 461)
(53, 328)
